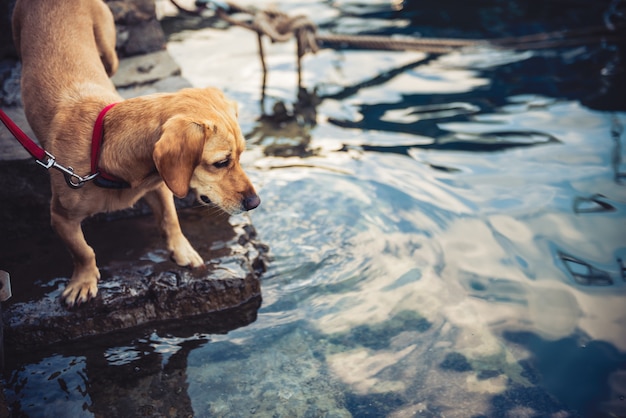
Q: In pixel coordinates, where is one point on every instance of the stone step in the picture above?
(140, 285)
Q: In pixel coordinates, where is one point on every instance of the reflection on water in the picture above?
(447, 238)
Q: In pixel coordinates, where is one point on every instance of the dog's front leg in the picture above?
(161, 201)
(84, 282)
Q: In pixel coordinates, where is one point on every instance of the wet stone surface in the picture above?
(140, 285)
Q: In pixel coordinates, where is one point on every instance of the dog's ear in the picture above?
(178, 152)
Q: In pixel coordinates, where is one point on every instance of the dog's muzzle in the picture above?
(248, 203)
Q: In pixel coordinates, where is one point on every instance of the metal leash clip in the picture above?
(72, 179)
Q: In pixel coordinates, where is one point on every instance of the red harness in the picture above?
(48, 161)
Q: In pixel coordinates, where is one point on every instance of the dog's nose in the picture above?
(251, 202)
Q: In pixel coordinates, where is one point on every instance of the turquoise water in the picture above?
(447, 238)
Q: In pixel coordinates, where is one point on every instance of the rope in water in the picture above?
(280, 27)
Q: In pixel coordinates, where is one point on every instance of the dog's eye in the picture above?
(222, 164)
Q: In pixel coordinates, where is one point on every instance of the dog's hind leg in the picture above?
(104, 32)
(84, 282)
(161, 201)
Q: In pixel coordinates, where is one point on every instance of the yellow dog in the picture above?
(152, 146)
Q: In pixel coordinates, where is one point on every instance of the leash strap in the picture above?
(43, 157)
(33, 149)
(48, 161)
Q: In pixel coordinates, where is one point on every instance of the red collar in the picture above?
(103, 179)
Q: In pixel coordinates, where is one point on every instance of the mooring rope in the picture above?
(280, 27)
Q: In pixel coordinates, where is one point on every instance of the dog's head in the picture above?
(199, 149)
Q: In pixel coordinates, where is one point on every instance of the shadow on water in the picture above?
(551, 362)
(292, 128)
(120, 374)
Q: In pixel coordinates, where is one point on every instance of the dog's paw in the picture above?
(78, 292)
(184, 255)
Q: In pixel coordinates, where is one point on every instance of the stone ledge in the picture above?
(143, 287)
(140, 285)
(144, 69)
(143, 296)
